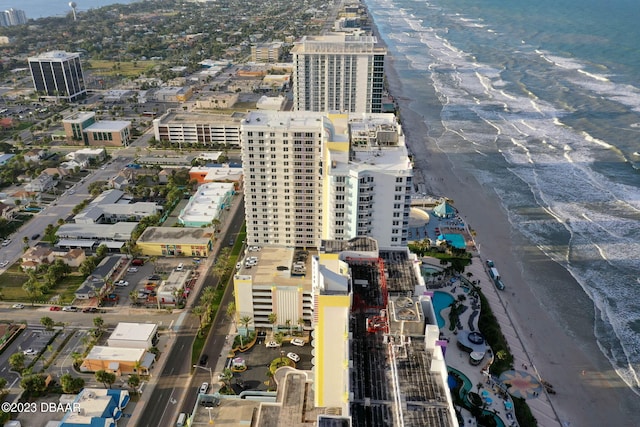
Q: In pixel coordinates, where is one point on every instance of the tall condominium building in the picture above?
(312, 176)
(58, 75)
(367, 181)
(12, 17)
(338, 72)
(281, 158)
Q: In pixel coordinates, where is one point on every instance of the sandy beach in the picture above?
(588, 390)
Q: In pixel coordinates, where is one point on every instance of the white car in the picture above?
(70, 308)
(6, 242)
(20, 306)
(293, 357)
(132, 270)
(272, 344)
(203, 388)
(122, 283)
(4, 263)
(297, 341)
(30, 352)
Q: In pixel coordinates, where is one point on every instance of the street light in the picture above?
(206, 368)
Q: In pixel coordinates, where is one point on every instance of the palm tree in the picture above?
(244, 321)
(77, 358)
(288, 323)
(300, 323)
(273, 318)
(198, 310)
(231, 313)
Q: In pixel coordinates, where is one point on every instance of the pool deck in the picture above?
(524, 380)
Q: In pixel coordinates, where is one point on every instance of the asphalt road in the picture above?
(176, 381)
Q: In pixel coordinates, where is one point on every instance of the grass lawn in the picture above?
(125, 69)
(13, 279)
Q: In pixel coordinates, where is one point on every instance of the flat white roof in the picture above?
(133, 331)
(119, 354)
(108, 126)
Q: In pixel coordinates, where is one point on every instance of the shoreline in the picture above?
(589, 391)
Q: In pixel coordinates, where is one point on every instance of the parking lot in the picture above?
(258, 359)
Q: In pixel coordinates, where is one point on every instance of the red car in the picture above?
(55, 308)
(137, 262)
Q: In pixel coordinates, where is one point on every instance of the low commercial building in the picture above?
(134, 335)
(118, 232)
(118, 360)
(176, 241)
(114, 133)
(207, 204)
(223, 173)
(96, 407)
(112, 206)
(97, 283)
(170, 291)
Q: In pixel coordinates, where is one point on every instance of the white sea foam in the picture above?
(483, 115)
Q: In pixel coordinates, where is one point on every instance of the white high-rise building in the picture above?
(368, 182)
(12, 17)
(281, 160)
(338, 72)
(310, 176)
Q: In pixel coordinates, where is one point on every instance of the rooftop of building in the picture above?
(108, 126)
(176, 116)
(277, 265)
(99, 352)
(79, 117)
(338, 42)
(133, 331)
(359, 244)
(174, 282)
(176, 235)
(285, 119)
(401, 272)
(117, 231)
(54, 55)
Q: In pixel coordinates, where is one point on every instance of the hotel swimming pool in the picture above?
(441, 300)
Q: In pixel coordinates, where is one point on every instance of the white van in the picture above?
(182, 420)
(180, 267)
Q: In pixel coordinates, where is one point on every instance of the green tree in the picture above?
(77, 358)
(47, 322)
(134, 382)
(226, 377)
(102, 251)
(198, 310)
(231, 313)
(32, 289)
(71, 384)
(98, 322)
(16, 361)
(244, 321)
(273, 319)
(106, 378)
(34, 384)
(87, 266)
(3, 385)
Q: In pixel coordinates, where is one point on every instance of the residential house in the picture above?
(7, 211)
(34, 156)
(36, 256)
(74, 257)
(44, 182)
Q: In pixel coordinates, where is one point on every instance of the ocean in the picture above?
(35, 9)
(540, 101)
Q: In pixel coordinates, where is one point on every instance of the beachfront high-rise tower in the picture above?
(338, 72)
(310, 176)
(58, 75)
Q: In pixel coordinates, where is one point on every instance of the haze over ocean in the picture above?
(43, 8)
(540, 101)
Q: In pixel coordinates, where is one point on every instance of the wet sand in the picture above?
(588, 391)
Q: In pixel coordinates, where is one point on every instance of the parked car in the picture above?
(90, 310)
(272, 344)
(4, 264)
(70, 308)
(122, 283)
(30, 352)
(137, 261)
(132, 270)
(203, 388)
(35, 236)
(19, 306)
(55, 308)
(6, 242)
(297, 341)
(203, 359)
(293, 357)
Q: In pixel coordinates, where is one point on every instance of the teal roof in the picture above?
(444, 210)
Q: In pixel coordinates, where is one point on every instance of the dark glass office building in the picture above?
(58, 75)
